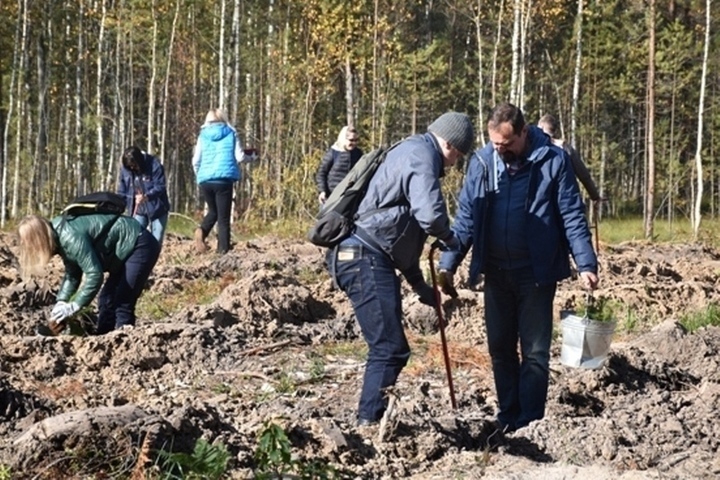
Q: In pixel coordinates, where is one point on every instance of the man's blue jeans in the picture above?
(369, 280)
(157, 226)
(516, 308)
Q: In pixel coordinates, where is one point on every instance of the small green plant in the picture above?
(286, 384)
(5, 472)
(709, 316)
(272, 455)
(631, 320)
(317, 368)
(600, 309)
(310, 275)
(208, 461)
(273, 458)
(221, 388)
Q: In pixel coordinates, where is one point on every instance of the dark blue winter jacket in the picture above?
(151, 182)
(554, 223)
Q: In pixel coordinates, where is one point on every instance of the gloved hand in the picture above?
(63, 310)
(425, 292)
(322, 197)
(450, 243)
(446, 281)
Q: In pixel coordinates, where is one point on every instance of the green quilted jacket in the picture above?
(84, 254)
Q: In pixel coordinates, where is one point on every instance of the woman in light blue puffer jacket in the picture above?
(215, 161)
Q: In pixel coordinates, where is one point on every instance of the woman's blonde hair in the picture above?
(342, 142)
(37, 245)
(216, 115)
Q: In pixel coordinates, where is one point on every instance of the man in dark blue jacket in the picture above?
(402, 206)
(521, 212)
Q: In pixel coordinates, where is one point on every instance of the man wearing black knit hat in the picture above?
(402, 207)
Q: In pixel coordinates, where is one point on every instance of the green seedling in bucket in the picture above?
(587, 332)
(600, 309)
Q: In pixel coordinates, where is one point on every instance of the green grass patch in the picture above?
(614, 231)
(611, 230)
(310, 275)
(708, 316)
(182, 225)
(159, 305)
(356, 349)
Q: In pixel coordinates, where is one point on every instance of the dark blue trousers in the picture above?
(120, 293)
(517, 309)
(218, 196)
(369, 280)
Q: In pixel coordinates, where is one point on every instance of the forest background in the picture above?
(634, 83)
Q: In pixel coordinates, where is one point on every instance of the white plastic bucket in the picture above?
(585, 342)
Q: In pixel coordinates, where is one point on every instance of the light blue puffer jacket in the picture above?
(217, 160)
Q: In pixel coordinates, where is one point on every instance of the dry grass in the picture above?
(66, 388)
(428, 357)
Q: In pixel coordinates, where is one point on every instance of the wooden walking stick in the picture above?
(441, 322)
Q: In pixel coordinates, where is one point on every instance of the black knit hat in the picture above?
(456, 129)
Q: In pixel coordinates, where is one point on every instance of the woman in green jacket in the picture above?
(90, 245)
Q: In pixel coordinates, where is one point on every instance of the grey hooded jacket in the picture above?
(404, 203)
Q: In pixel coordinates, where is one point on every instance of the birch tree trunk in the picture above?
(480, 128)
(79, 110)
(496, 48)
(514, 93)
(650, 174)
(375, 93)
(603, 169)
(701, 108)
(21, 107)
(99, 114)
(38, 171)
(166, 86)
(349, 94)
(526, 18)
(221, 58)
(235, 80)
(576, 77)
(16, 68)
(153, 80)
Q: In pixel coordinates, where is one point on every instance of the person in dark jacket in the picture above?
(90, 245)
(215, 161)
(520, 210)
(142, 183)
(403, 206)
(551, 127)
(337, 162)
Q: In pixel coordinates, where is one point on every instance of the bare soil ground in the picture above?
(279, 344)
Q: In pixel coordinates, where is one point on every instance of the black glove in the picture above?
(425, 292)
(450, 243)
(446, 281)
